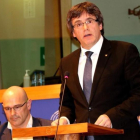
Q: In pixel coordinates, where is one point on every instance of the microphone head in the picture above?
(66, 75)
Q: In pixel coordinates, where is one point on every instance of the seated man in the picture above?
(17, 108)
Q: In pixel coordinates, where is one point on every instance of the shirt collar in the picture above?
(29, 125)
(96, 48)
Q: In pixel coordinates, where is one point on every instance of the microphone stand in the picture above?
(66, 77)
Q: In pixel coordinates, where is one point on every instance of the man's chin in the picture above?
(15, 123)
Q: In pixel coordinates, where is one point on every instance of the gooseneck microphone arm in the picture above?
(66, 76)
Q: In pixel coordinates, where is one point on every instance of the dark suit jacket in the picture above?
(5, 134)
(115, 90)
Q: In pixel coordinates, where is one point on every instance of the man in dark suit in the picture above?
(113, 100)
(17, 108)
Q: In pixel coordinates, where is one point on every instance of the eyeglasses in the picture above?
(89, 21)
(16, 107)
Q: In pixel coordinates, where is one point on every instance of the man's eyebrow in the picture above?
(85, 19)
(17, 105)
(13, 106)
(77, 21)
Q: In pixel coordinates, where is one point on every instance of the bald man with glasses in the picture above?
(17, 106)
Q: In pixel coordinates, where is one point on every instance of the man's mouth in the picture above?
(87, 35)
(14, 118)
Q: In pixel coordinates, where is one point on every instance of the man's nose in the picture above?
(85, 26)
(12, 111)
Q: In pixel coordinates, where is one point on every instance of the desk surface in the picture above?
(40, 92)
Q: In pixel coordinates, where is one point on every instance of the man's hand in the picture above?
(104, 120)
(62, 121)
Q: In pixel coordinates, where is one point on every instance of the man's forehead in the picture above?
(8, 104)
(83, 16)
(12, 101)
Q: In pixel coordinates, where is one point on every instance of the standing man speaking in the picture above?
(103, 87)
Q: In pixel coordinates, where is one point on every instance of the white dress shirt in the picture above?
(29, 125)
(94, 57)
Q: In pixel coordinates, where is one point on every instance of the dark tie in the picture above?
(87, 78)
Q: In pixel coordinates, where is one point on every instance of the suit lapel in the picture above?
(75, 71)
(5, 132)
(101, 64)
(35, 124)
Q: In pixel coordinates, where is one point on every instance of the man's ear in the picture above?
(73, 34)
(100, 26)
(29, 104)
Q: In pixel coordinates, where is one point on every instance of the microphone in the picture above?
(66, 76)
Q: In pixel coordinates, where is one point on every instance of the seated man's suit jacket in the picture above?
(5, 134)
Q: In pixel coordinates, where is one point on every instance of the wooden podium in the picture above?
(78, 130)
